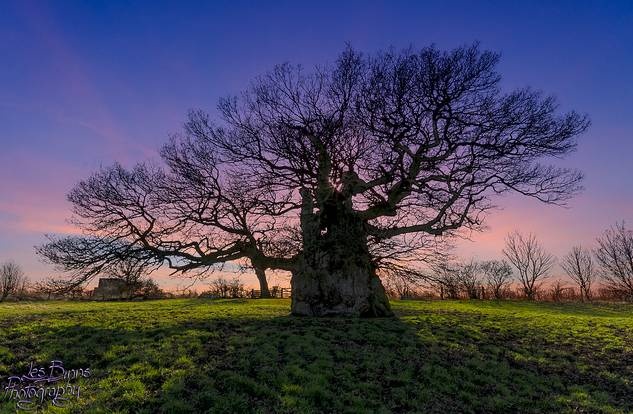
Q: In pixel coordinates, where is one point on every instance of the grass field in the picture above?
(196, 355)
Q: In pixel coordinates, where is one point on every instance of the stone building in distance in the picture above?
(111, 289)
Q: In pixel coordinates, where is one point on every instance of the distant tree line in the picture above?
(604, 272)
(223, 288)
(14, 285)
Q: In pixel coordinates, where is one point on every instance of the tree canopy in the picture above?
(329, 174)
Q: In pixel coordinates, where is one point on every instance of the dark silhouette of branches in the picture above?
(372, 158)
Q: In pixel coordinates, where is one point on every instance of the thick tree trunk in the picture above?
(263, 283)
(337, 286)
(334, 274)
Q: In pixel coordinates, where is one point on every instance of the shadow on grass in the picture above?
(435, 362)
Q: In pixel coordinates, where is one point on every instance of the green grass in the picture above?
(181, 356)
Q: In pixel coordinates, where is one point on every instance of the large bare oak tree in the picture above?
(318, 172)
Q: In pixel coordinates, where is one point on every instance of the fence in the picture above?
(275, 292)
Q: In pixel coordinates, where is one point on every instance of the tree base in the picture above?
(348, 290)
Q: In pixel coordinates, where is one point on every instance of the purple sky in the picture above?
(83, 84)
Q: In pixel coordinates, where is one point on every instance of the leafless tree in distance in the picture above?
(470, 280)
(498, 276)
(309, 171)
(56, 287)
(12, 278)
(615, 256)
(446, 280)
(557, 291)
(400, 282)
(579, 266)
(531, 260)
